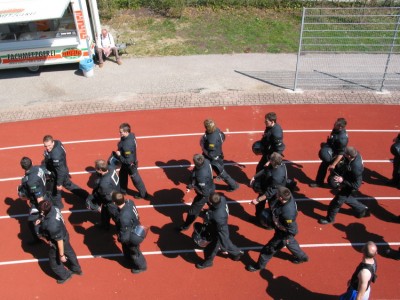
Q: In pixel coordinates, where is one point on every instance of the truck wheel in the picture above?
(34, 69)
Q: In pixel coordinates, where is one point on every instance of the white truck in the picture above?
(34, 33)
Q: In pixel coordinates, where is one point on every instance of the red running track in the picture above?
(170, 255)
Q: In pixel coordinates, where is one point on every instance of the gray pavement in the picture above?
(165, 82)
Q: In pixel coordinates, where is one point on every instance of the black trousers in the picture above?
(278, 241)
(137, 181)
(197, 205)
(218, 167)
(322, 170)
(62, 270)
(344, 196)
(211, 250)
(264, 159)
(133, 254)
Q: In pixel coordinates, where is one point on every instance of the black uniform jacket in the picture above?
(271, 178)
(351, 171)
(127, 147)
(105, 185)
(211, 143)
(52, 226)
(272, 140)
(338, 141)
(126, 220)
(34, 183)
(56, 162)
(284, 216)
(202, 179)
(217, 218)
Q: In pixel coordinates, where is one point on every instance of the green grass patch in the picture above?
(208, 31)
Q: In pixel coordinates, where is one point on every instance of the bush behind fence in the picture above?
(174, 8)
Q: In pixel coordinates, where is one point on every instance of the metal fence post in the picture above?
(298, 52)
(396, 30)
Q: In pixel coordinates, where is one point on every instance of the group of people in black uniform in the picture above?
(42, 186)
(345, 167)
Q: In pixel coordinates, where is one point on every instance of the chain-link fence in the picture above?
(349, 48)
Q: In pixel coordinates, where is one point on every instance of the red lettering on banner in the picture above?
(81, 25)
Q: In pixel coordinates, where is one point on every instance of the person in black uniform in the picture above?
(126, 154)
(55, 159)
(346, 178)
(282, 217)
(267, 181)
(217, 219)
(130, 233)
(202, 182)
(271, 141)
(211, 143)
(33, 189)
(332, 151)
(100, 199)
(395, 150)
(62, 257)
(365, 273)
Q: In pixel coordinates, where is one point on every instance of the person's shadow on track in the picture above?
(309, 207)
(238, 210)
(171, 242)
(378, 210)
(102, 243)
(284, 288)
(373, 177)
(80, 214)
(178, 171)
(38, 250)
(235, 170)
(295, 172)
(357, 233)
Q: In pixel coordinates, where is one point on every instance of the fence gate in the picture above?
(349, 48)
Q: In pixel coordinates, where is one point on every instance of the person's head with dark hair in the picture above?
(270, 119)
(101, 166)
(214, 199)
(48, 138)
(118, 198)
(210, 125)
(275, 159)
(198, 160)
(340, 124)
(125, 127)
(350, 152)
(48, 142)
(45, 207)
(283, 194)
(26, 163)
(369, 249)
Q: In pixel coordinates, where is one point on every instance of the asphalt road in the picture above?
(164, 82)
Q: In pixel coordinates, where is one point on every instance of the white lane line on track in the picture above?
(198, 134)
(26, 261)
(189, 203)
(226, 164)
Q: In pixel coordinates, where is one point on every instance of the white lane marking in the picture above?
(198, 134)
(226, 164)
(189, 203)
(163, 252)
